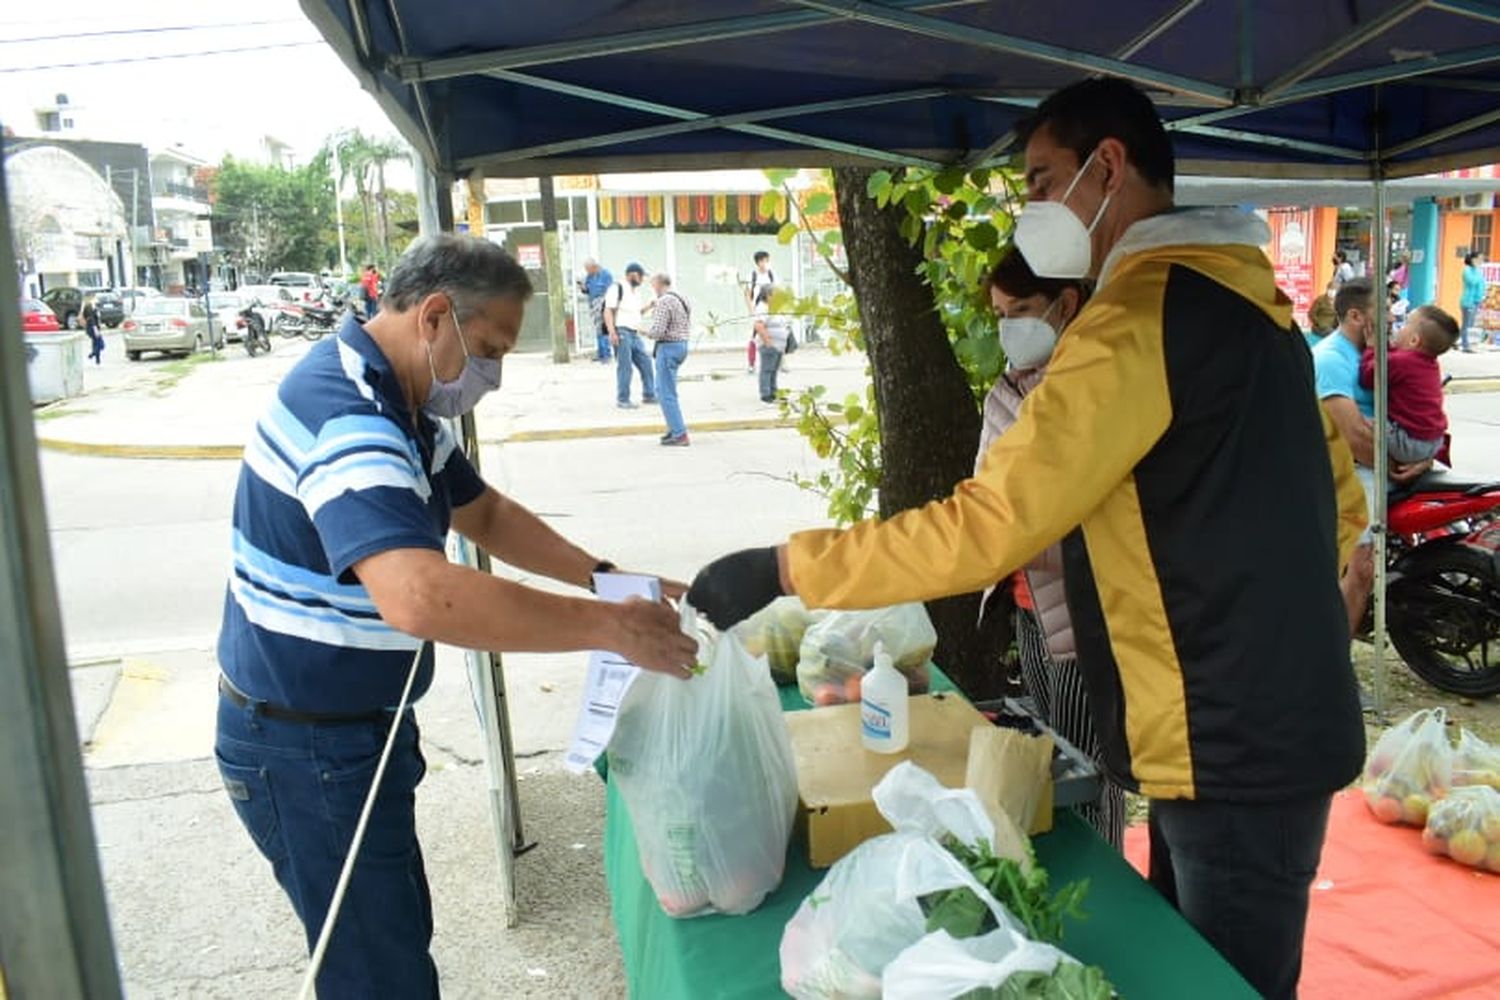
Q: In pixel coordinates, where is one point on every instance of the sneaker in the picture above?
(666, 437)
(628, 406)
(651, 401)
(680, 441)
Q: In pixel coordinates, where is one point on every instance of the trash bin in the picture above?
(54, 365)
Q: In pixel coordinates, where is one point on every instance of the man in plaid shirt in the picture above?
(671, 328)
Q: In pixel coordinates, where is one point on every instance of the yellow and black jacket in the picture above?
(1206, 504)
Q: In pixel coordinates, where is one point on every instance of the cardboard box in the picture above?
(835, 773)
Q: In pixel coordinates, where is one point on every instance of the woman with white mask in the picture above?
(1032, 313)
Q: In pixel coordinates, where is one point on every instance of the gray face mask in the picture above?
(479, 377)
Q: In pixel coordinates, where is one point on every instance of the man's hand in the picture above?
(650, 636)
(1404, 474)
(614, 339)
(734, 587)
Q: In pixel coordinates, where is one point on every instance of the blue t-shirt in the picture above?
(596, 284)
(335, 472)
(1336, 367)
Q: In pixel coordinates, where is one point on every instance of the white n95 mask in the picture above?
(1028, 341)
(1054, 241)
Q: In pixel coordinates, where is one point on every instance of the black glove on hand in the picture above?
(734, 587)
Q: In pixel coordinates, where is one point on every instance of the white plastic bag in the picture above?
(706, 770)
(1410, 768)
(775, 632)
(940, 966)
(867, 909)
(838, 650)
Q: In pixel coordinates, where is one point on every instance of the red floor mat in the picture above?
(1388, 921)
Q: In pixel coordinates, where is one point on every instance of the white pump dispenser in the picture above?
(883, 709)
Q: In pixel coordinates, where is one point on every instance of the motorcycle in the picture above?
(255, 337)
(1443, 582)
(307, 319)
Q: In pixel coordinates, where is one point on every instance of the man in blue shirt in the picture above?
(340, 582)
(596, 281)
(1352, 409)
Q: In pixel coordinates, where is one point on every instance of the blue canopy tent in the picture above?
(1353, 89)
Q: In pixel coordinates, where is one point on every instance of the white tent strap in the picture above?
(359, 834)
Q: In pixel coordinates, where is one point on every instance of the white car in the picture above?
(224, 313)
(304, 285)
(271, 299)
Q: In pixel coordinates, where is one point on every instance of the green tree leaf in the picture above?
(787, 232)
(818, 203)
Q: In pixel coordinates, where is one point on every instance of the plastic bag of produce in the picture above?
(1475, 762)
(867, 909)
(1410, 768)
(941, 967)
(775, 632)
(1466, 827)
(837, 650)
(706, 770)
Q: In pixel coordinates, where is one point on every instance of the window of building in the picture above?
(1484, 226)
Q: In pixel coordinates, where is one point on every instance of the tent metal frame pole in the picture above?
(486, 669)
(55, 936)
(1345, 44)
(1378, 242)
(1476, 9)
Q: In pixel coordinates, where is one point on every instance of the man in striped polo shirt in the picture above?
(339, 583)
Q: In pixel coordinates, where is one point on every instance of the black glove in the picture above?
(734, 587)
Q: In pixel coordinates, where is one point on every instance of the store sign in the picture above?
(529, 255)
(1291, 255)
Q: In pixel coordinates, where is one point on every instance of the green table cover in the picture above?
(1147, 950)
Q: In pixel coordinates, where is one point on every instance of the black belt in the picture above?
(240, 699)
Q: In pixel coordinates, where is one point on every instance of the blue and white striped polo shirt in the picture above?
(335, 472)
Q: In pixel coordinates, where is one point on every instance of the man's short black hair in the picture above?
(1356, 294)
(1084, 114)
(761, 255)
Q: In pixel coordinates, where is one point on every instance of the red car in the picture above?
(36, 317)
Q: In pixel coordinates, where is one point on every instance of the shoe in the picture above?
(628, 406)
(653, 401)
(768, 399)
(680, 441)
(666, 437)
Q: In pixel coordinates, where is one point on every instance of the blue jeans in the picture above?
(603, 352)
(1470, 315)
(629, 352)
(770, 364)
(670, 355)
(298, 790)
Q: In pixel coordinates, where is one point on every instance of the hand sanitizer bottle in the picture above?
(883, 709)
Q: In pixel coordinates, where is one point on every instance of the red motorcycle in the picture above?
(1443, 581)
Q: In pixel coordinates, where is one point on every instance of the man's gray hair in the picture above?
(662, 278)
(469, 270)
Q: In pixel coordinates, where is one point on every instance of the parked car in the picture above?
(169, 325)
(271, 301)
(129, 297)
(38, 317)
(66, 303)
(304, 284)
(224, 308)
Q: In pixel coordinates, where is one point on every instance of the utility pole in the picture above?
(557, 283)
(338, 211)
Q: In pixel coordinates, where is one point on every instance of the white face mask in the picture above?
(479, 377)
(1053, 240)
(1028, 341)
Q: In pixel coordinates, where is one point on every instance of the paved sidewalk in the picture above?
(211, 410)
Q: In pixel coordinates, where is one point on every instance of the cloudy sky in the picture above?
(213, 75)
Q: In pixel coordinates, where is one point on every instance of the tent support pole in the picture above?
(486, 672)
(1378, 242)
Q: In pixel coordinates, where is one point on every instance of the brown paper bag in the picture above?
(1012, 774)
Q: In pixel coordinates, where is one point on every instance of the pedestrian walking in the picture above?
(369, 283)
(772, 333)
(671, 329)
(340, 582)
(595, 284)
(1470, 299)
(90, 315)
(625, 305)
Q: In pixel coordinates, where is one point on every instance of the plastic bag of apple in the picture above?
(776, 632)
(1466, 827)
(1410, 768)
(838, 650)
(1475, 762)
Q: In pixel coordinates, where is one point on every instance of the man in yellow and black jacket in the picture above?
(1206, 506)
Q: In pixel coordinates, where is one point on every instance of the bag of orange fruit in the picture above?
(1410, 768)
(1466, 827)
(1476, 762)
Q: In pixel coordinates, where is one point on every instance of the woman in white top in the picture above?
(771, 333)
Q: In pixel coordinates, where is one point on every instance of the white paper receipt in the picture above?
(609, 676)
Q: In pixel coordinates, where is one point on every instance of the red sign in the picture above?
(529, 256)
(1291, 255)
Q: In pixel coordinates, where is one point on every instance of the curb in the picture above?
(1479, 384)
(233, 452)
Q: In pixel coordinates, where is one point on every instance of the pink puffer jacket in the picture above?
(1044, 575)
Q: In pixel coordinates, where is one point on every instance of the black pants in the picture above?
(1240, 873)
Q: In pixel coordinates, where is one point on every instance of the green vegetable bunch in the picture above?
(1069, 981)
(1023, 892)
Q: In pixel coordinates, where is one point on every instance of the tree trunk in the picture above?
(929, 425)
(385, 222)
(557, 285)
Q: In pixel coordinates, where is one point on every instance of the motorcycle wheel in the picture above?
(285, 327)
(1445, 619)
(314, 331)
(252, 343)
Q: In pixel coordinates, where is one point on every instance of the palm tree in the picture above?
(363, 158)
